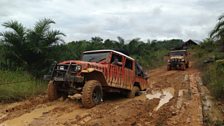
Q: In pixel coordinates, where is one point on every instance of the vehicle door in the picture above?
(129, 74)
(115, 70)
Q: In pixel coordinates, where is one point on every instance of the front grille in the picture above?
(175, 60)
(60, 71)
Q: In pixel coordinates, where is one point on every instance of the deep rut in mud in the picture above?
(172, 98)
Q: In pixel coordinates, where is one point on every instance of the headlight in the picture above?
(61, 68)
(182, 59)
(78, 68)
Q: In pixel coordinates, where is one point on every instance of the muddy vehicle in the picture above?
(98, 72)
(178, 59)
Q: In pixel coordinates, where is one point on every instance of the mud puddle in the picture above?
(2, 116)
(26, 119)
(165, 95)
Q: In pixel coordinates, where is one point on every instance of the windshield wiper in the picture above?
(92, 58)
(101, 60)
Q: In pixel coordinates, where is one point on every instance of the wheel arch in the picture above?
(95, 75)
(138, 85)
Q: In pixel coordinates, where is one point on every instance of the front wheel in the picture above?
(187, 65)
(183, 67)
(52, 91)
(92, 93)
(168, 67)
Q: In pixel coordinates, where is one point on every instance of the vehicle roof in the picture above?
(178, 51)
(108, 50)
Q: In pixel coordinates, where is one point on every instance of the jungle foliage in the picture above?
(34, 50)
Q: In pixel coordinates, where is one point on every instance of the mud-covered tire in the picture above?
(52, 91)
(134, 92)
(64, 95)
(168, 67)
(187, 65)
(92, 94)
(183, 67)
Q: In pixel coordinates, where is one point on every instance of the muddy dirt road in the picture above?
(173, 98)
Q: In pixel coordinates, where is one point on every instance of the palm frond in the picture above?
(17, 27)
(10, 38)
(54, 37)
(221, 17)
(120, 39)
(43, 25)
(219, 26)
(220, 33)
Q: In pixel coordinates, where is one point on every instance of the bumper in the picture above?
(69, 79)
(175, 64)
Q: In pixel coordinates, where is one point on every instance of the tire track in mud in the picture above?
(188, 109)
(13, 110)
(117, 110)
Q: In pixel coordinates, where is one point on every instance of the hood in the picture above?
(176, 57)
(74, 62)
(84, 64)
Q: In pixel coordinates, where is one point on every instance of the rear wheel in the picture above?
(134, 92)
(92, 94)
(52, 91)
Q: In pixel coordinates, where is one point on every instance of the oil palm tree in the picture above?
(30, 47)
(217, 33)
(14, 41)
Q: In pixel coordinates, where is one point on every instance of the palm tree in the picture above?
(14, 41)
(31, 47)
(217, 33)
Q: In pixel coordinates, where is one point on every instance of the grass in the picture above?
(17, 85)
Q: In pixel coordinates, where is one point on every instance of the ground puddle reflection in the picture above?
(165, 95)
(27, 118)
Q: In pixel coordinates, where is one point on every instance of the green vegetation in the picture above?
(32, 51)
(212, 70)
(209, 57)
(18, 85)
(29, 49)
(150, 54)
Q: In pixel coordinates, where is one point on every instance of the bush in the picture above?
(212, 77)
(213, 70)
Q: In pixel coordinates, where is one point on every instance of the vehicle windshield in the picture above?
(95, 57)
(178, 53)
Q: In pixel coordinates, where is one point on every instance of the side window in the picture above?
(116, 59)
(138, 70)
(128, 64)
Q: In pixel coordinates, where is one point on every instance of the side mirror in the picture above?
(146, 76)
(119, 63)
(47, 77)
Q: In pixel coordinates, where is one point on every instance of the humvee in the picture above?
(98, 72)
(178, 59)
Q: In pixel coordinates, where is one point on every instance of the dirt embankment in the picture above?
(173, 98)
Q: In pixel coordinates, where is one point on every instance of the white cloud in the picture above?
(147, 19)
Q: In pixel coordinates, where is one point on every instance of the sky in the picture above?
(146, 19)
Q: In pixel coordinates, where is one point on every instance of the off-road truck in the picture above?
(178, 59)
(97, 72)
